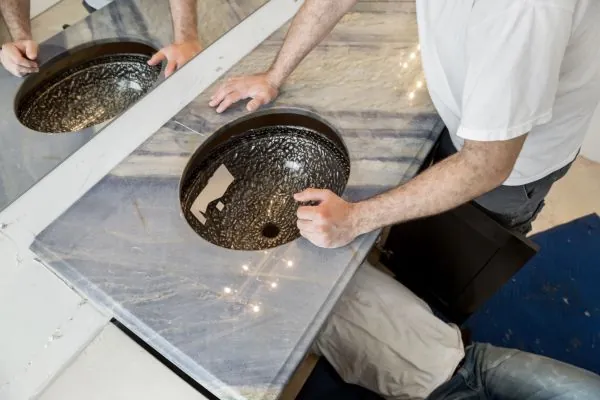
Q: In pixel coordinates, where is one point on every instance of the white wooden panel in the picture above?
(115, 367)
(44, 324)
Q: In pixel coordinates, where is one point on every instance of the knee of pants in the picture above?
(515, 374)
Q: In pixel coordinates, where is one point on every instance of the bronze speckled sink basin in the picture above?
(236, 191)
(86, 87)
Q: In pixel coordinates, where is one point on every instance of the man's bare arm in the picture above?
(185, 20)
(315, 19)
(16, 16)
(313, 22)
(186, 43)
(478, 168)
(18, 56)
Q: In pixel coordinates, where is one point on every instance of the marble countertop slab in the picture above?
(26, 156)
(240, 322)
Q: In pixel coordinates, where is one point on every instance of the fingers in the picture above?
(25, 64)
(310, 213)
(220, 94)
(311, 231)
(18, 53)
(19, 70)
(14, 68)
(232, 85)
(31, 49)
(256, 87)
(157, 58)
(13, 55)
(22, 71)
(170, 68)
(255, 103)
(317, 195)
(231, 98)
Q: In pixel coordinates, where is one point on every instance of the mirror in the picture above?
(103, 50)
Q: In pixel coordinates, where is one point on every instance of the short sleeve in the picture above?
(513, 65)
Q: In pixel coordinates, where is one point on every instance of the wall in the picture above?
(39, 6)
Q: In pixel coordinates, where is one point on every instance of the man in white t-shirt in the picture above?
(19, 56)
(516, 83)
(382, 337)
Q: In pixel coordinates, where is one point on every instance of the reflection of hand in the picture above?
(176, 54)
(331, 223)
(258, 87)
(18, 57)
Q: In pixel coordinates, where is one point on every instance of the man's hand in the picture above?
(260, 88)
(176, 55)
(19, 57)
(314, 20)
(476, 169)
(330, 224)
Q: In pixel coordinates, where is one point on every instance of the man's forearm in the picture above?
(185, 20)
(16, 16)
(313, 22)
(448, 184)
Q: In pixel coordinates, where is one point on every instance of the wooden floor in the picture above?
(576, 195)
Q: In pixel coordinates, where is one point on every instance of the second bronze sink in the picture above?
(86, 87)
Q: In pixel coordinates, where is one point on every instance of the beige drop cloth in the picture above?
(383, 337)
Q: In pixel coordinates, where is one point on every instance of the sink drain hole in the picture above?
(270, 230)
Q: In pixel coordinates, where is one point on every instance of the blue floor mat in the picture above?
(552, 306)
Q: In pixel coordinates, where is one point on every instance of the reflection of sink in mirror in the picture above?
(237, 189)
(86, 87)
(28, 154)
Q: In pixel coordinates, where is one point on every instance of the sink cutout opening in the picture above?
(252, 167)
(270, 231)
(86, 86)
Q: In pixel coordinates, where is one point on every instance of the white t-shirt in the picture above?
(383, 337)
(498, 69)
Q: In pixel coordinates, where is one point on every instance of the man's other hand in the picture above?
(331, 223)
(19, 57)
(257, 87)
(176, 55)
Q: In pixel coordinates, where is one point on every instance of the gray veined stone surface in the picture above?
(239, 322)
(26, 155)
